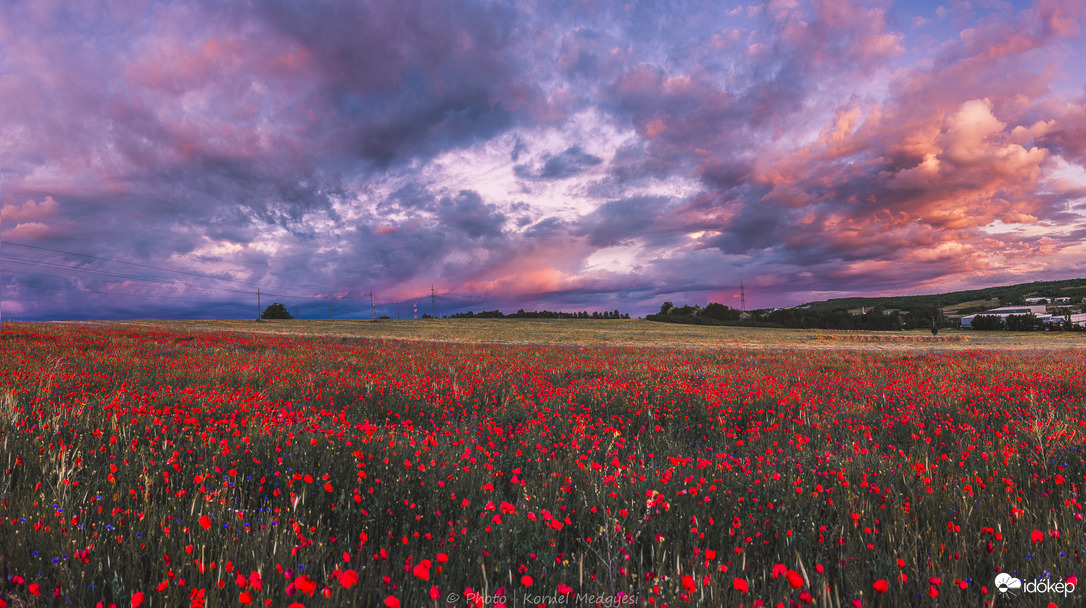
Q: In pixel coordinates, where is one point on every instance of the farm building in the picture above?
(1043, 300)
(1038, 311)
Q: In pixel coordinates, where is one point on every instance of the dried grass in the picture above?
(623, 332)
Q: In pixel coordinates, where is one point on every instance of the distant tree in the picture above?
(986, 322)
(666, 308)
(276, 311)
(1026, 322)
(720, 312)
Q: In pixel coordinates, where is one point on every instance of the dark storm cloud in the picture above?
(616, 222)
(546, 228)
(404, 78)
(468, 213)
(570, 162)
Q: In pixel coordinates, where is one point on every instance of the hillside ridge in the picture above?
(975, 298)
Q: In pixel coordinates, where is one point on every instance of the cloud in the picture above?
(570, 162)
(468, 213)
(30, 211)
(564, 153)
(618, 221)
(27, 230)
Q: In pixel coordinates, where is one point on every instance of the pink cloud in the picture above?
(30, 211)
(27, 230)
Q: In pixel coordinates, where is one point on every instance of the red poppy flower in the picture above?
(348, 578)
(305, 584)
(689, 584)
(794, 579)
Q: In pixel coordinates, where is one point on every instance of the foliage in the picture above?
(987, 322)
(713, 314)
(145, 467)
(876, 319)
(276, 311)
(720, 312)
(1026, 322)
(542, 314)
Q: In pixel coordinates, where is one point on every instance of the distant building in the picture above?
(1043, 300)
(1037, 310)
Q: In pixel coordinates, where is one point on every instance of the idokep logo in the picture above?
(1007, 583)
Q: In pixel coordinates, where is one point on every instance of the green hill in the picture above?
(964, 301)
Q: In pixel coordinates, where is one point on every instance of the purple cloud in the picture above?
(532, 156)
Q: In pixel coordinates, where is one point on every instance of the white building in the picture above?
(1036, 310)
(1005, 311)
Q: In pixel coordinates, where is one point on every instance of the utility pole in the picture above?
(433, 302)
(373, 309)
(742, 296)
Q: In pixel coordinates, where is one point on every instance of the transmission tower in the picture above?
(742, 297)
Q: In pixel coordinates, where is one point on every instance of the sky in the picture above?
(169, 159)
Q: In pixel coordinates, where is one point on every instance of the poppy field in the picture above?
(151, 467)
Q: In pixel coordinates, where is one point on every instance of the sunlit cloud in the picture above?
(579, 156)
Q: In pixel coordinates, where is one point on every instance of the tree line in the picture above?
(876, 319)
(1025, 322)
(540, 314)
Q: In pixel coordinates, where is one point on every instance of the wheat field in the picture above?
(624, 332)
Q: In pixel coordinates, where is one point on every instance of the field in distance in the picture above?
(627, 332)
